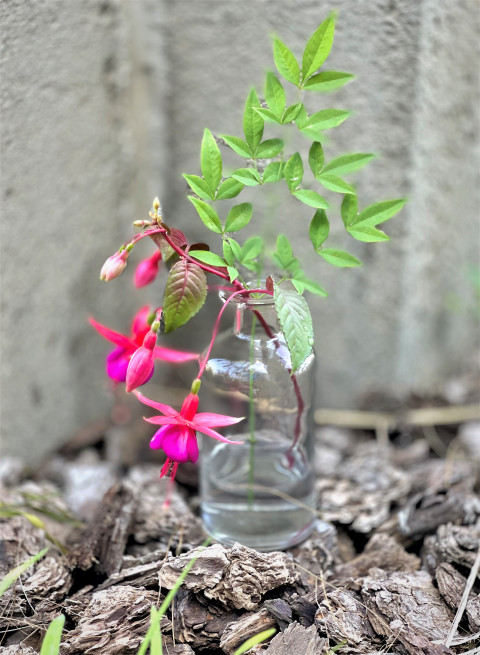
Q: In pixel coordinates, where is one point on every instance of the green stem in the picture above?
(251, 421)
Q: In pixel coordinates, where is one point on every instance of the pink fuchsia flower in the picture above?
(119, 358)
(114, 265)
(147, 270)
(177, 438)
(141, 365)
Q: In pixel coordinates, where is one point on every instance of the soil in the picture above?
(391, 567)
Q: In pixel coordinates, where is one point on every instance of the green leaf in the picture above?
(318, 47)
(296, 323)
(302, 284)
(367, 233)
(185, 293)
(349, 209)
(339, 257)
(334, 183)
(285, 62)
(229, 188)
(208, 257)
(208, 215)
(247, 176)
(228, 253)
(273, 172)
(327, 81)
(316, 158)
(380, 212)
(291, 113)
(211, 161)
(252, 122)
(238, 145)
(283, 255)
(319, 229)
(253, 641)
(293, 171)
(236, 249)
(12, 576)
(274, 94)
(233, 273)
(269, 148)
(311, 198)
(53, 636)
(267, 114)
(199, 186)
(348, 163)
(313, 133)
(238, 217)
(327, 118)
(302, 117)
(252, 248)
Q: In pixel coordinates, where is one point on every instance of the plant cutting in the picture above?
(256, 476)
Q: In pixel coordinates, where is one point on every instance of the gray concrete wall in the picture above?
(103, 106)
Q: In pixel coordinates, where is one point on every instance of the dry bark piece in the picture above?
(406, 607)
(138, 571)
(382, 551)
(250, 624)
(280, 610)
(343, 617)
(361, 493)
(452, 543)
(200, 621)
(317, 555)
(17, 649)
(425, 512)
(174, 525)
(114, 621)
(103, 542)
(451, 585)
(237, 576)
(297, 639)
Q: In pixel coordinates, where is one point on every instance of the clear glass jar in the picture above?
(260, 493)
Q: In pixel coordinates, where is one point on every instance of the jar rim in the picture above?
(243, 301)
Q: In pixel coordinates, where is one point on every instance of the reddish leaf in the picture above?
(185, 293)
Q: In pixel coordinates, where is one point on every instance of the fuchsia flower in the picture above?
(114, 265)
(147, 270)
(177, 438)
(118, 360)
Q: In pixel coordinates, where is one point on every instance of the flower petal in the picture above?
(157, 439)
(165, 409)
(176, 443)
(114, 337)
(163, 420)
(117, 363)
(216, 420)
(213, 434)
(140, 368)
(169, 355)
(140, 327)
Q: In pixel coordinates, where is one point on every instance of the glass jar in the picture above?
(259, 493)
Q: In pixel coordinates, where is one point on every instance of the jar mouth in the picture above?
(246, 300)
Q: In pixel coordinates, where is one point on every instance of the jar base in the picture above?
(277, 526)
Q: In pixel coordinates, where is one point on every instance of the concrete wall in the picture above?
(103, 106)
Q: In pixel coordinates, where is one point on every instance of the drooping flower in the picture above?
(141, 365)
(177, 438)
(114, 265)
(147, 270)
(119, 358)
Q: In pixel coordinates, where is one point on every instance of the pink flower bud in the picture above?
(114, 265)
(147, 270)
(141, 365)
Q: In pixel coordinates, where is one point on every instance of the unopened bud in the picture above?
(147, 270)
(114, 265)
(141, 223)
(156, 204)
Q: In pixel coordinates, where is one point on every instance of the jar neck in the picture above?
(255, 319)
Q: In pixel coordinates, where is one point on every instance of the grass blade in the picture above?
(51, 641)
(253, 641)
(13, 575)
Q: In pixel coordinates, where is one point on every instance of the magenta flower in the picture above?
(119, 358)
(114, 265)
(177, 438)
(141, 365)
(147, 270)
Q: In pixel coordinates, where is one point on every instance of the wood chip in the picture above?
(237, 576)
(250, 624)
(297, 639)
